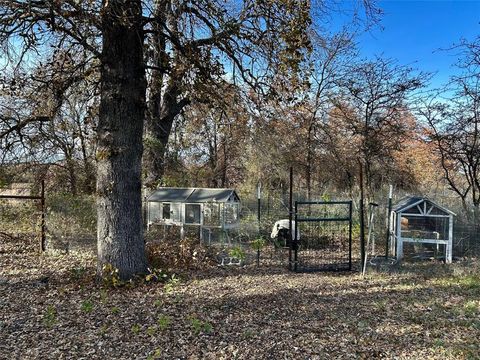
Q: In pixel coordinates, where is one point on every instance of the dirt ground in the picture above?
(51, 308)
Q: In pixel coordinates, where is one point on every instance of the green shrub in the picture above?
(259, 243)
(115, 309)
(151, 330)
(199, 326)
(156, 275)
(135, 328)
(237, 253)
(171, 284)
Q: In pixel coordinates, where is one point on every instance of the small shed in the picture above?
(202, 207)
(420, 220)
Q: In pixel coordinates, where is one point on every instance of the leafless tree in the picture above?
(373, 104)
(453, 125)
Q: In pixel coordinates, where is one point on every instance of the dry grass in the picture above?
(50, 307)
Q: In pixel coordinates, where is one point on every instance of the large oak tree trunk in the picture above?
(119, 148)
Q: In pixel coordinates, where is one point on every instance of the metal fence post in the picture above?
(295, 241)
(42, 204)
(350, 210)
(290, 214)
(389, 211)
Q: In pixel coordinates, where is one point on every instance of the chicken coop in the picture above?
(201, 209)
(421, 221)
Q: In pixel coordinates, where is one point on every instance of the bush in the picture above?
(259, 243)
(237, 253)
(174, 253)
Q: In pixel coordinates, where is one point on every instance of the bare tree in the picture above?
(453, 125)
(329, 58)
(373, 104)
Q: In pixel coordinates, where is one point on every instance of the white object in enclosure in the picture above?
(284, 224)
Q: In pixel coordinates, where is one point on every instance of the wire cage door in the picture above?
(324, 239)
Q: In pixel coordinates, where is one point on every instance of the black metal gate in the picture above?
(322, 238)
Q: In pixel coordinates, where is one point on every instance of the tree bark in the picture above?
(163, 104)
(119, 140)
(159, 127)
(72, 174)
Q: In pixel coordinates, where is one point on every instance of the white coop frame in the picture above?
(417, 209)
(202, 207)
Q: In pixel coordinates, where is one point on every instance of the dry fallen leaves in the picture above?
(51, 307)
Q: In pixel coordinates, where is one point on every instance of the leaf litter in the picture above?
(52, 307)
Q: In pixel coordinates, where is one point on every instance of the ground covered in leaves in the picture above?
(51, 308)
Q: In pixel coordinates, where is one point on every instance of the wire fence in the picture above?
(466, 226)
(71, 222)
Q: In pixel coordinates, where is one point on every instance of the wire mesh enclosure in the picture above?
(324, 239)
(425, 224)
(466, 237)
(19, 213)
(429, 237)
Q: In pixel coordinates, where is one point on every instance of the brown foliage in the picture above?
(173, 253)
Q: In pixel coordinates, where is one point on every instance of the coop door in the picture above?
(176, 213)
(166, 212)
(192, 214)
(153, 212)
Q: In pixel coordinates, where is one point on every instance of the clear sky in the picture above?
(414, 32)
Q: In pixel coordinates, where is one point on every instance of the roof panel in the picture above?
(205, 195)
(412, 201)
(193, 195)
(407, 203)
(171, 194)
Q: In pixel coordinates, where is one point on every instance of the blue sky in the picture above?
(415, 31)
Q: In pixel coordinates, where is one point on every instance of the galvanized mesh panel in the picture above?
(325, 241)
(324, 246)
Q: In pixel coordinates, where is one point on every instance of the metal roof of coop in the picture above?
(412, 201)
(193, 195)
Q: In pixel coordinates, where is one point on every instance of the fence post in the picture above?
(259, 190)
(290, 214)
(350, 225)
(42, 204)
(295, 241)
(362, 219)
(389, 211)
